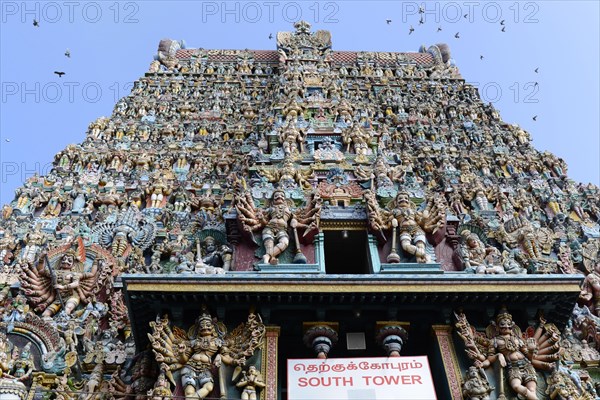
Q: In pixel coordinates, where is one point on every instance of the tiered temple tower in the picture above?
(244, 215)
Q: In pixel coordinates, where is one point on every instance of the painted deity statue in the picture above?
(274, 223)
(409, 223)
(520, 355)
(22, 366)
(250, 383)
(213, 256)
(64, 286)
(590, 289)
(477, 257)
(291, 138)
(162, 387)
(476, 386)
(204, 348)
(276, 220)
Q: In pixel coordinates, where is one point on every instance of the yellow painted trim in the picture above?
(343, 225)
(358, 287)
(308, 325)
(382, 324)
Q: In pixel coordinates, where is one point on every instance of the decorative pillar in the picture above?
(319, 242)
(270, 362)
(320, 336)
(374, 254)
(391, 335)
(443, 336)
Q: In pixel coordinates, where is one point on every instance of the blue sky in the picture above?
(112, 44)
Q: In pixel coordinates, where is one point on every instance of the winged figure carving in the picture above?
(204, 347)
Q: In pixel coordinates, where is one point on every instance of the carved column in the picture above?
(270, 361)
(443, 336)
(319, 241)
(374, 254)
(391, 335)
(321, 336)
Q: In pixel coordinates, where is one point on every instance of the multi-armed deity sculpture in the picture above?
(519, 355)
(204, 349)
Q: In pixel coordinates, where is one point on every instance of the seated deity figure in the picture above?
(477, 257)
(212, 257)
(476, 386)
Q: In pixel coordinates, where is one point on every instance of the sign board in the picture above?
(393, 378)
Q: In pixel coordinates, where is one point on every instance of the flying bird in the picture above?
(421, 10)
(421, 21)
(36, 23)
(68, 53)
(502, 22)
(7, 140)
(388, 21)
(270, 36)
(481, 57)
(503, 29)
(411, 30)
(465, 16)
(456, 36)
(59, 73)
(536, 70)
(439, 28)
(535, 118)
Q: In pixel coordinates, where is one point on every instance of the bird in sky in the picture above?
(59, 73)
(421, 10)
(535, 118)
(481, 57)
(536, 70)
(68, 53)
(388, 21)
(270, 36)
(503, 29)
(421, 21)
(439, 28)
(7, 140)
(465, 16)
(411, 30)
(36, 23)
(502, 22)
(457, 36)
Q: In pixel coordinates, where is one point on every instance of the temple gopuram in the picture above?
(301, 223)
